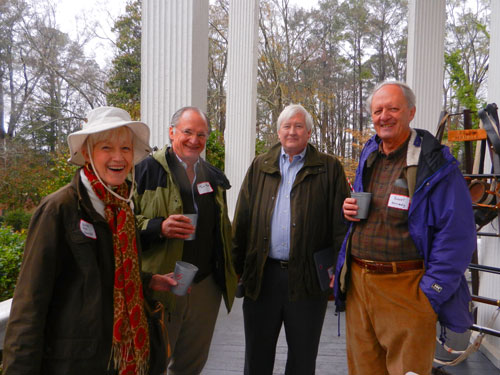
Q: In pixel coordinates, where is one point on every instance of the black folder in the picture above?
(324, 266)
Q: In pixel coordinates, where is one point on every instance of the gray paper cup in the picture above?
(363, 202)
(184, 274)
(194, 219)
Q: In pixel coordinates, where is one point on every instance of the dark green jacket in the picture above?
(157, 197)
(317, 196)
(61, 320)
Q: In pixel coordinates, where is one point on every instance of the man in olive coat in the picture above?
(289, 208)
(175, 181)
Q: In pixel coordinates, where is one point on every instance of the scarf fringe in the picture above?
(118, 359)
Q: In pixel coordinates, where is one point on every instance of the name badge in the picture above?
(331, 273)
(400, 202)
(204, 188)
(88, 229)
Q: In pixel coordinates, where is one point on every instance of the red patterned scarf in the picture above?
(130, 347)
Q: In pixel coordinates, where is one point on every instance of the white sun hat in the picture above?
(106, 118)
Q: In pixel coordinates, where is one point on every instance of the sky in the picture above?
(72, 15)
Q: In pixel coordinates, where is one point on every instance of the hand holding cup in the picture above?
(184, 274)
(357, 207)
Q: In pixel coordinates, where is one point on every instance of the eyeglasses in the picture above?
(189, 133)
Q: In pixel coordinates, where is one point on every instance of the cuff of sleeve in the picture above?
(154, 227)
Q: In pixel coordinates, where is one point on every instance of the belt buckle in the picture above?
(367, 264)
(284, 264)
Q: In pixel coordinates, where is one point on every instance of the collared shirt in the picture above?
(201, 250)
(280, 222)
(194, 179)
(94, 199)
(385, 236)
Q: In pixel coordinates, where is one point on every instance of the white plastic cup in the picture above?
(363, 200)
(184, 274)
(194, 219)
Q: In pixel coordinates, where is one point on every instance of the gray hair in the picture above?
(290, 111)
(407, 92)
(178, 114)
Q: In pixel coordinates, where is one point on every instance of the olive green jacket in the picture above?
(61, 320)
(157, 196)
(317, 196)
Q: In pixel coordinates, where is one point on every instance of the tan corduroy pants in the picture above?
(390, 324)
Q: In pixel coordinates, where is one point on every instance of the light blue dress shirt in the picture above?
(280, 222)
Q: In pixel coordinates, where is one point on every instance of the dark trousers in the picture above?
(263, 318)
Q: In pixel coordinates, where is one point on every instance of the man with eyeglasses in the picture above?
(288, 212)
(172, 182)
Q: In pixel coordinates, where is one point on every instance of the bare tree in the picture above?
(217, 64)
(49, 78)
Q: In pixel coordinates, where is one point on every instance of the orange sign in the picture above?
(466, 135)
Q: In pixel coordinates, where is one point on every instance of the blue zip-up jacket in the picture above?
(441, 224)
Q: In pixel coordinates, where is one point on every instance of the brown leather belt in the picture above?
(376, 266)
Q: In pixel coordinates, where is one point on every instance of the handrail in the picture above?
(488, 234)
(4, 318)
(486, 300)
(488, 331)
(481, 175)
(484, 268)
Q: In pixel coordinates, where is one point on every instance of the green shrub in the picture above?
(17, 219)
(11, 255)
(215, 149)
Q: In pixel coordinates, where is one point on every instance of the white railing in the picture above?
(4, 318)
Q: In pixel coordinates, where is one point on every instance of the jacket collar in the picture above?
(424, 151)
(84, 203)
(412, 154)
(161, 157)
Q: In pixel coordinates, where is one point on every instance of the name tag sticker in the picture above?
(88, 229)
(204, 188)
(400, 202)
(330, 272)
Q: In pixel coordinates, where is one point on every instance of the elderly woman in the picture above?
(79, 307)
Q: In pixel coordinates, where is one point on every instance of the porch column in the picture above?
(425, 66)
(241, 93)
(174, 61)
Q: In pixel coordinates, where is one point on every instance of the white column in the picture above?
(241, 93)
(494, 65)
(174, 58)
(425, 66)
(489, 247)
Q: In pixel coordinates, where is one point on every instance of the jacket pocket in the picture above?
(82, 248)
(394, 213)
(71, 349)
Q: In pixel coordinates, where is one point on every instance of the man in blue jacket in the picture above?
(402, 269)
